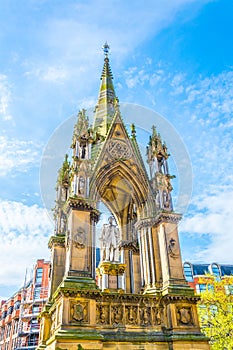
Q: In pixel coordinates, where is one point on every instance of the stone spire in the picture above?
(107, 100)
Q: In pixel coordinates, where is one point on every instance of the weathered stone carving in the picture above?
(131, 315)
(157, 316)
(80, 238)
(117, 314)
(79, 312)
(53, 322)
(146, 316)
(118, 149)
(102, 314)
(184, 316)
(173, 249)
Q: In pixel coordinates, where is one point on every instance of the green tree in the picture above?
(215, 311)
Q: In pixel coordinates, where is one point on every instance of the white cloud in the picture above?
(205, 103)
(72, 40)
(5, 98)
(212, 97)
(17, 155)
(24, 232)
(54, 74)
(87, 103)
(212, 217)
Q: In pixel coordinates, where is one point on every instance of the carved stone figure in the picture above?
(145, 316)
(132, 315)
(81, 186)
(166, 200)
(63, 223)
(117, 314)
(157, 316)
(102, 314)
(109, 242)
(83, 151)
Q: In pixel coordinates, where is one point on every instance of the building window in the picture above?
(34, 324)
(188, 272)
(17, 305)
(9, 310)
(37, 293)
(39, 274)
(200, 288)
(33, 340)
(36, 309)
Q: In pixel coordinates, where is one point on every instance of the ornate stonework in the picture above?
(119, 149)
(79, 312)
(113, 269)
(137, 296)
(184, 316)
(80, 238)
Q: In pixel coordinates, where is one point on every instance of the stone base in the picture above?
(131, 344)
(90, 319)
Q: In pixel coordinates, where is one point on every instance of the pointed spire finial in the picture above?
(106, 48)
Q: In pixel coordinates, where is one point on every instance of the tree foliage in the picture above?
(216, 311)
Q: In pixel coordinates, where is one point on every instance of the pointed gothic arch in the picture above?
(121, 190)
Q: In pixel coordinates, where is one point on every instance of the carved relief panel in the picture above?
(79, 312)
(102, 314)
(184, 316)
(129, 314)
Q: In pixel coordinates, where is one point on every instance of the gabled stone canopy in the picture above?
(140, 298)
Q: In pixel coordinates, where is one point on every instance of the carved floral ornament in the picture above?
(111, 269)
(131, 245)
(119, 149)
(161, 217)
(57, 241)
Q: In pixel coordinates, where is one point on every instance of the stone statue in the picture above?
(81, 186)
(109, 241)
(82, 151)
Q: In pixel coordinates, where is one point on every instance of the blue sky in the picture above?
(174, 57)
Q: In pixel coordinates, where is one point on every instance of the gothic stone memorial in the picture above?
(137, 296)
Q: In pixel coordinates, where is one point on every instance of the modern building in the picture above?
(19, 324)
(196, 273)
(142, 300)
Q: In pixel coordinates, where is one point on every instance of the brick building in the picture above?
(19, 326)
